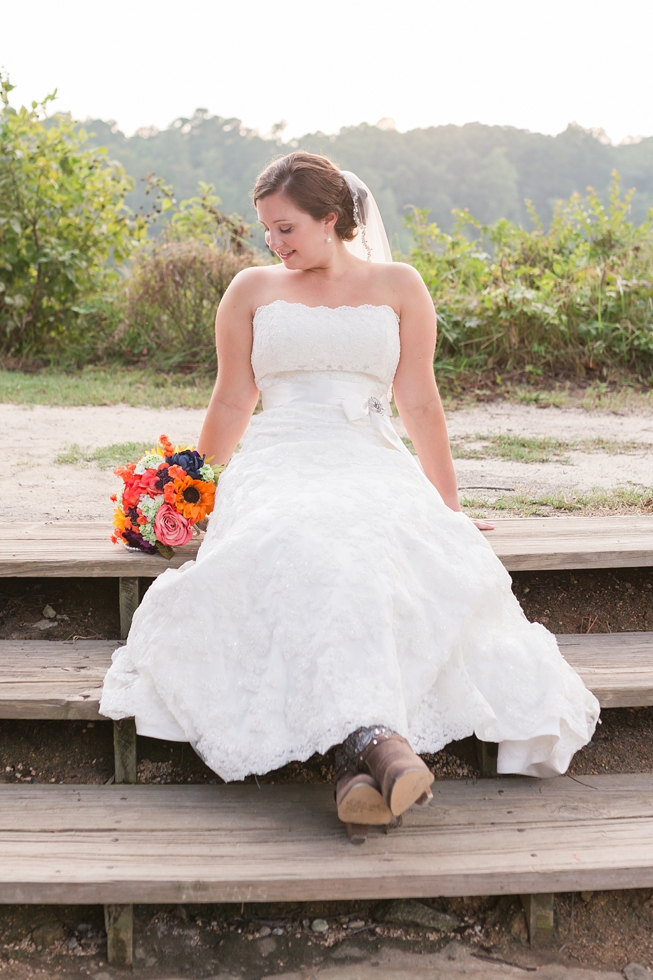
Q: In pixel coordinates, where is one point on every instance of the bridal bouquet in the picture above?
(166, 493)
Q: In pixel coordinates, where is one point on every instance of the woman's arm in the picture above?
(416, 392)
(235, 394)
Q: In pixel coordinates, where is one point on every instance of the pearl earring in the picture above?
(328, 238)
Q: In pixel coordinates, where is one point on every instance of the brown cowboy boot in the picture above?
(402, 776)
(359, 803)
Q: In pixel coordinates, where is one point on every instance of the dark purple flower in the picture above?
(163, 477)
(189, 460)
(136, 540)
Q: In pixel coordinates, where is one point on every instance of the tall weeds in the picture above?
(169, 302)
(577, 297)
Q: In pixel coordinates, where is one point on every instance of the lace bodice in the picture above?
(353, 342)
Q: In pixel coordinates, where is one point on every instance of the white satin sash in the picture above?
(355, 398)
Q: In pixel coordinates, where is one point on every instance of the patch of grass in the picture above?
(620, 396)
(106, 386)
(598, 397)
(116, 384)
(614, 447)
(519, 449)
(515, 448)
(596, 502)
(106, 457)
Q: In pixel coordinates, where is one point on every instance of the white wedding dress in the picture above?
(334, 589)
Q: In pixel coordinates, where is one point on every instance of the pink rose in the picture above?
(171, 528)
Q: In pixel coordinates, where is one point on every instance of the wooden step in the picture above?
(48, 679)
(539, 543)
(60, 549)
(616, 667)
(85, 550)
(124, 844)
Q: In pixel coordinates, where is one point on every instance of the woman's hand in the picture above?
(483, 525)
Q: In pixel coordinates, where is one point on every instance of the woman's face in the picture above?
(297, 238)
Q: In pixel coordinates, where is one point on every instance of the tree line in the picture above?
(490, 170)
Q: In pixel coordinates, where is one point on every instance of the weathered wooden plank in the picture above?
(573, 542)
(616, 667)
(194, 807)
(122, 844)
(539, 918)
(119, 924)
(49, 679)
(84, 549)
(487, 755)
(124, 750)
(57, 680)
(128, 600)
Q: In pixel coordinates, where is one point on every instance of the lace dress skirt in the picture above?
(333, 590)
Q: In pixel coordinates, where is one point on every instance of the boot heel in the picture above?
(408, 788)
(357, 832)
(394, 824)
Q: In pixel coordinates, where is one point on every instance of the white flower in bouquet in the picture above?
(150, 461)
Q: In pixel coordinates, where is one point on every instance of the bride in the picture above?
(340, 597)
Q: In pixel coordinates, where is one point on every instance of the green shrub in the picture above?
(575, 297)
(63, 228)
(169, 301)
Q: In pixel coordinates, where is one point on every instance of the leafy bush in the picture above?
(174, 284)
(577, 297)
(63, 228)
(169, 303)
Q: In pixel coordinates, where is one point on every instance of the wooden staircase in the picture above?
(121, 844)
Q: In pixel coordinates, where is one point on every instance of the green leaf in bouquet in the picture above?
(165, 550)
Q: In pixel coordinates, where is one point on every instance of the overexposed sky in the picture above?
(324, 64)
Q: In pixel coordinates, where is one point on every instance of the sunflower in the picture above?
(194, 499)
(121, 522)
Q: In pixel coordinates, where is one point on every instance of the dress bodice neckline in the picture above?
(293, 339)
(331, 309)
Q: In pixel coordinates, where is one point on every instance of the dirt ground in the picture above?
(32, 483)
(252, 942)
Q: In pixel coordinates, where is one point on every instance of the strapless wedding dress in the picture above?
(334, 589)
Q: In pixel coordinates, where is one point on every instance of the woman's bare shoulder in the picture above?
(249, 285)
(258, 276)
(402, 284)
(400, 274)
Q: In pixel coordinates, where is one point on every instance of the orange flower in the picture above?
(166, 446)
(194, 499)
(126, 472)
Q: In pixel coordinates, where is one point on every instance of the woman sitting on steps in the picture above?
(339, 597)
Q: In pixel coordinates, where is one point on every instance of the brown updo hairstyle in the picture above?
(314, 184)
